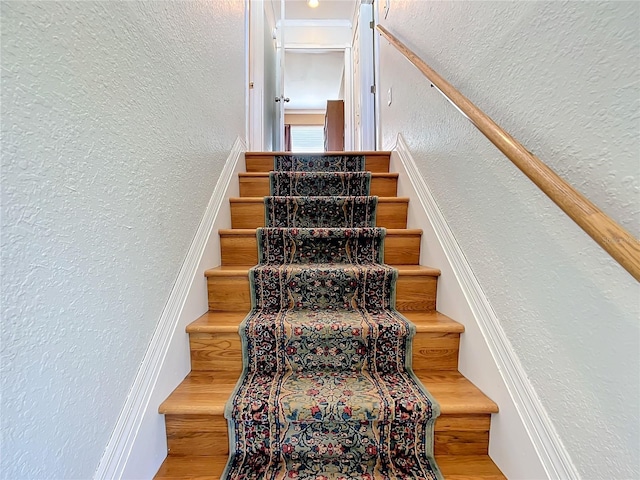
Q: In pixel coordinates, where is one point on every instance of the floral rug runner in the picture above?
(327, 391)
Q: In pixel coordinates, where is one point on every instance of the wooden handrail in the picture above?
(619, 243)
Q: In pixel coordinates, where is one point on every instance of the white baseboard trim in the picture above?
(552, 454)
(115, 461)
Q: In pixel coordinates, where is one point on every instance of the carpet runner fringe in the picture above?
(327, 390)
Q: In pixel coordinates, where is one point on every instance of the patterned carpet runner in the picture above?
(327, 391)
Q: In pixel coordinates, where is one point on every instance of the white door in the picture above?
(367, 80)
(357, 88)
(280, 98)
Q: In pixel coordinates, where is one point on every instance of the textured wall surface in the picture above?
(117, 118)
(562, 77)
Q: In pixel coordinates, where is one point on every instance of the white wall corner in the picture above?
(138, 445)
(523, 443)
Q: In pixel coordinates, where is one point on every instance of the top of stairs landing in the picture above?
(375, 162)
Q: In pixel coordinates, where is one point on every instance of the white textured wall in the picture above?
(563, 78)
(116, 120)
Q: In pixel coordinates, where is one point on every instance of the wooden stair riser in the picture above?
(258, 186)
(222, 352)
(375, 162)
(249, 213)
(231, 293)
(206, 435)
(400, 249)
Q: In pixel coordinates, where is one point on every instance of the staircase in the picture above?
(197, 435)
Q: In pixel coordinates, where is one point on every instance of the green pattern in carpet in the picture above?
(327, 391)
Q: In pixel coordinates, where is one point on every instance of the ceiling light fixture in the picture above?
(313, 3)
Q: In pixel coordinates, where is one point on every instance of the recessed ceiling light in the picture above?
(313, 3)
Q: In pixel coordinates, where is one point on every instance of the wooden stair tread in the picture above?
(456, 394)
(468, 467)
(346, 153)
(241, 232)
(249, 212)
(229, 289)
(239, 246)
(227, 322)
(177, 467)
(206, 392)
(266, 174)
(454, 467)
(242, 271)
(261, 200)
(257, 184)
(375, 161)
(216, 344)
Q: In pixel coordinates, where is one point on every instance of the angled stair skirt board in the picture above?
(137, 445)
(327, 390)
(524, 442)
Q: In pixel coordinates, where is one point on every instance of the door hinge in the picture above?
(371, 24)
(373, 89)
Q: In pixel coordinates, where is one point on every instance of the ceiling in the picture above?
(326, 10)
(312, 78)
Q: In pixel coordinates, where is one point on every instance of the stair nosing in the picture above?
(212, 466)
(243, 271)
(266, 174)
(191, 407)
(198, 325)
(261, 199)
(390, 231)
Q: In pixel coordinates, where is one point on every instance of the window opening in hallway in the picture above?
(307, 138)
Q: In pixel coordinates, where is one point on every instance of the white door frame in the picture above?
(255, 84)
(280, 69)
(255, 102)
(367, 82)
(261, 18)
(349, 110)
(376, 69)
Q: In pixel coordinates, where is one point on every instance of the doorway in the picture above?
(313, 77)
(297, 64)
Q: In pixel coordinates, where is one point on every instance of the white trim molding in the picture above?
(313, 23)
(137, 445)
(312, 111)
(316, 47)
(505, 381)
